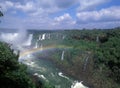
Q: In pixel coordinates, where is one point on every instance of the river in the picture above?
(48, 72)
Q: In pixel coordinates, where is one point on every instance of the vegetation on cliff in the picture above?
(99, 48)
(12, 73)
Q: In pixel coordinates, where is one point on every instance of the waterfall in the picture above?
(97, 39)
(29, 40)
(63, 37)
(85, 64)
(36, 45)
(62, 56)
(39, 37)
(43, 37)
(48, 36)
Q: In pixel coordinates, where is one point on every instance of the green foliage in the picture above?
(108, 54)
(1, 14)
(12, 73)
(102, 44)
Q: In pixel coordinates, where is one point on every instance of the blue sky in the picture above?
(60, 14)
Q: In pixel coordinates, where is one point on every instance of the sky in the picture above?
(60, 14)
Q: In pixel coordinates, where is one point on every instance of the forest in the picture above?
(101, 46)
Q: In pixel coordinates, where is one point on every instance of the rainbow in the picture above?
(33, 50)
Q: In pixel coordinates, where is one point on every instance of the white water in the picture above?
(39, 37)
(30, 63)
(29, 40)
(38, 67)
(62, 56)
(36, 45)
(44, 70)
(61, 74)
(8, 37)
(40, 76)
(63, 37)
(43, 37)
(77, 84)
(15, 40)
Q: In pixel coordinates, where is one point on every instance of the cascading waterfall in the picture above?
(62, 56)
(85, 64)
(36, 44)
(33, 64)
(43, 37)
(29, 40)
(39, 37)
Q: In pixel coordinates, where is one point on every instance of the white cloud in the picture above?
(29, 6)
(104, 15)
(65, 21)
(90, 4)
(6, 4)
(9, 3)
(38, 13)
(65, 17)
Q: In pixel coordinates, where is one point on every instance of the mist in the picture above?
(16, 39)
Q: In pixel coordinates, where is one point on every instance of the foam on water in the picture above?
(40, 76)
(77, 84)
(61, 74)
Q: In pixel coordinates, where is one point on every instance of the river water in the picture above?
(47, 71)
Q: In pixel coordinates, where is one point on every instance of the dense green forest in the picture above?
(12, 73)
(100, 46)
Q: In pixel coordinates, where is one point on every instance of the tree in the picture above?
(1, 14)
(12, 73)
